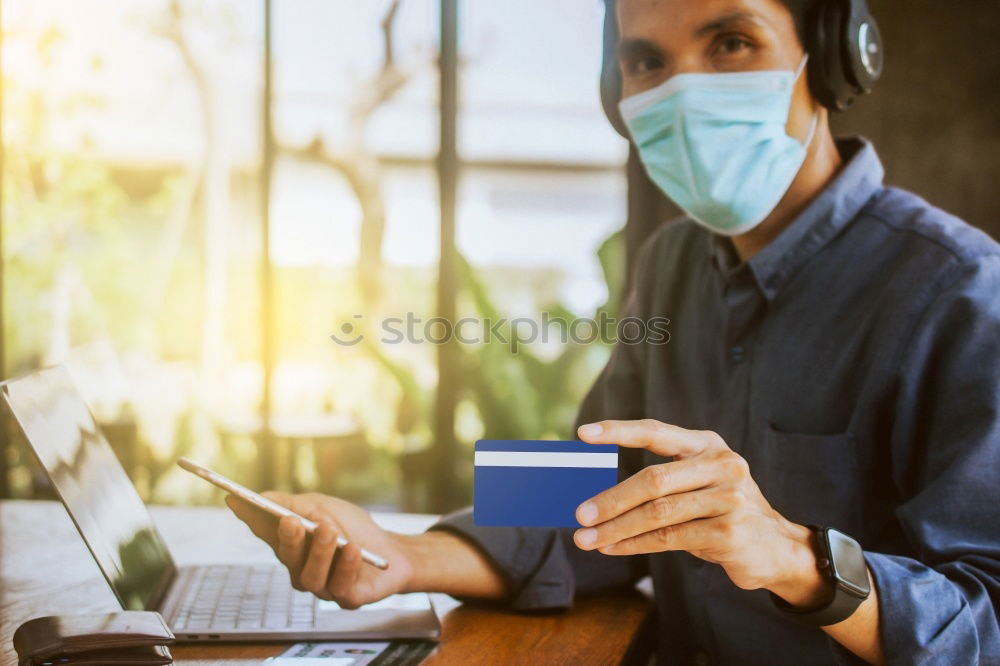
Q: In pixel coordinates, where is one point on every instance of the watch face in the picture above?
(848, 563)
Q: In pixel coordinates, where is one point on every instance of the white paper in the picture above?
(312, 661)
(329, 654)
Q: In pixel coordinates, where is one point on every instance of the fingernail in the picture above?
(324, 536)
(586, 537)
(591, 430)
(587, 512)
(286, 528)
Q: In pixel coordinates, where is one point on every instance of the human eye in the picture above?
(732, 45)
(644, 65)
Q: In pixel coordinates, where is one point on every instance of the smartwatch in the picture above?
(841, 560)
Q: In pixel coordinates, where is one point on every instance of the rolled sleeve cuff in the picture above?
(924, 617)
(531, 559)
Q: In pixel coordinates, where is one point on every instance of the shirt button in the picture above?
(737, 353)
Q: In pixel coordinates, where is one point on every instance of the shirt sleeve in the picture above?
(543, 566)
(941, 605)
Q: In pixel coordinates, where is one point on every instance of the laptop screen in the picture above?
(92, 484)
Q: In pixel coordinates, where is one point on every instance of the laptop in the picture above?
(220, 602)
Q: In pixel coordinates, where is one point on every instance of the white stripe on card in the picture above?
(545, 459)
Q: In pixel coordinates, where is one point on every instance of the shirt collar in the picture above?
(839, 203)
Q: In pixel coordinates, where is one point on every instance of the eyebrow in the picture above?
(630, 49)
(727, 21)
(633, 48)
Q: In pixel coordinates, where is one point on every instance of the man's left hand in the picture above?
(704, 502)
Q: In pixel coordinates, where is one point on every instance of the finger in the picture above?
(292, 546)
(344, 578)
(656, 513)
(662, 439)
(691, 536)
(316, 569)
(645, 485)
(308, 505)
(261, 523)
(293, 502)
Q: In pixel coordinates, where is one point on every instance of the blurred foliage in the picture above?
(515, 395)
(86, 237)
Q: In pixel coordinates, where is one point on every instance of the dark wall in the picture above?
(935, 116)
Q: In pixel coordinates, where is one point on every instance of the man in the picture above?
(834, 362)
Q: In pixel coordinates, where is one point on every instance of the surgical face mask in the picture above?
(716, 143)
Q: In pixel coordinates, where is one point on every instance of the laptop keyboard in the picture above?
(243, 597)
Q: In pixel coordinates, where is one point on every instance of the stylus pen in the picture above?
(366, 555)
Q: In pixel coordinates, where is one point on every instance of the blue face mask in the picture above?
(716, 144)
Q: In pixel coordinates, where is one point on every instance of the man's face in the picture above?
(662, 38)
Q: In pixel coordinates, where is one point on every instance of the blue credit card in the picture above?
(538, 483)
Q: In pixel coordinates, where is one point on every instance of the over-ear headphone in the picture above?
(842, 39)
(845, 52)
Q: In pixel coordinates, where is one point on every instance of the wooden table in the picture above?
(45, 569)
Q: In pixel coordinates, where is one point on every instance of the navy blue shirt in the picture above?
(855, 363)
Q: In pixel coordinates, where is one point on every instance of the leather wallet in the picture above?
(101, 639)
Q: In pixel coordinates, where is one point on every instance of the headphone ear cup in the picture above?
(827, 29)
(862, 47)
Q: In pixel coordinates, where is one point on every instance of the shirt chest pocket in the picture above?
(815, 479)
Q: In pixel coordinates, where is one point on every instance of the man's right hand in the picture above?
(435, 561)
(315, 563)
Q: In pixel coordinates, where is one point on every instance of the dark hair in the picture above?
(800, 10)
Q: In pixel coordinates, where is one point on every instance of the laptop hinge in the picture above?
(157, 599)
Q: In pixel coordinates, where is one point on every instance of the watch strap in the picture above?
(839, 608)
